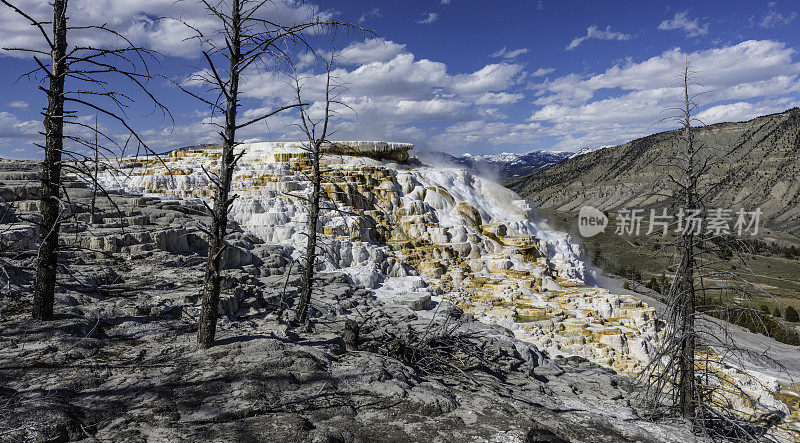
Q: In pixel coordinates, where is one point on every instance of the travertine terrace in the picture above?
(419, 234)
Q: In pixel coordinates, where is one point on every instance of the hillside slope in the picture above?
(760, 171)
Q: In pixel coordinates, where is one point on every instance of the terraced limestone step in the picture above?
(418, 233)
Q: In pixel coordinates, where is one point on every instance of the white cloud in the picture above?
(391, 96)
(370, 50)
(415, 110)
(494, 77)
(730, 112)
(757, 76)
(428, 18)
(399, 96)
(774, 19)
(681, 21)
(480, 131)
(509, 54)
(136, 19)
(12, 128)
(498, 98)
(741, 111)
(724, 67)
(408, 98)
(392, 93)
(18, 104)
(593, 32)
(402, 77)
(541, 72)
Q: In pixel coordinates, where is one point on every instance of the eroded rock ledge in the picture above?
(373, 149)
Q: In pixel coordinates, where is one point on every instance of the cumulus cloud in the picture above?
(422, 101)
(402, 77)
(428, 18)
(391, 92)
(137, 20)
(682, 22)
(593, 32)
(370, 50)
(741, 81)
(724, 67)
(741, 111)
(386, 97)
(509, 54)
(12, 128)
(494, 77)
(396, 95)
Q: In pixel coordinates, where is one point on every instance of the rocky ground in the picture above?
(119, 363)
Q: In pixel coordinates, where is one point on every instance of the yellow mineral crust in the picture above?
(480, 263)
(430, 221)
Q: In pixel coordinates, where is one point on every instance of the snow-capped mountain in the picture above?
(504, 165)
(508, 164)
(513, 165)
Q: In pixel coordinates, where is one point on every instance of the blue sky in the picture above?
(464, 75)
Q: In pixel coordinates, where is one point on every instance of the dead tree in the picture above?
(685, 290)
(50, 203)
(90, 69)
(242, 42)
(316, 132)
(696, 340)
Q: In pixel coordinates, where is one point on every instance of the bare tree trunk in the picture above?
(311, 246)
(686, 288)
(50, 203)
(686, 357)
(207, 324)
(315, 141)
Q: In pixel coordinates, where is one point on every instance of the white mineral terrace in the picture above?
(415, 233)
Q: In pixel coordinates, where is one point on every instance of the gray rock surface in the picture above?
(119, 363)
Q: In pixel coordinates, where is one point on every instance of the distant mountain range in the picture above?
(760, 171)
(505, 165)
